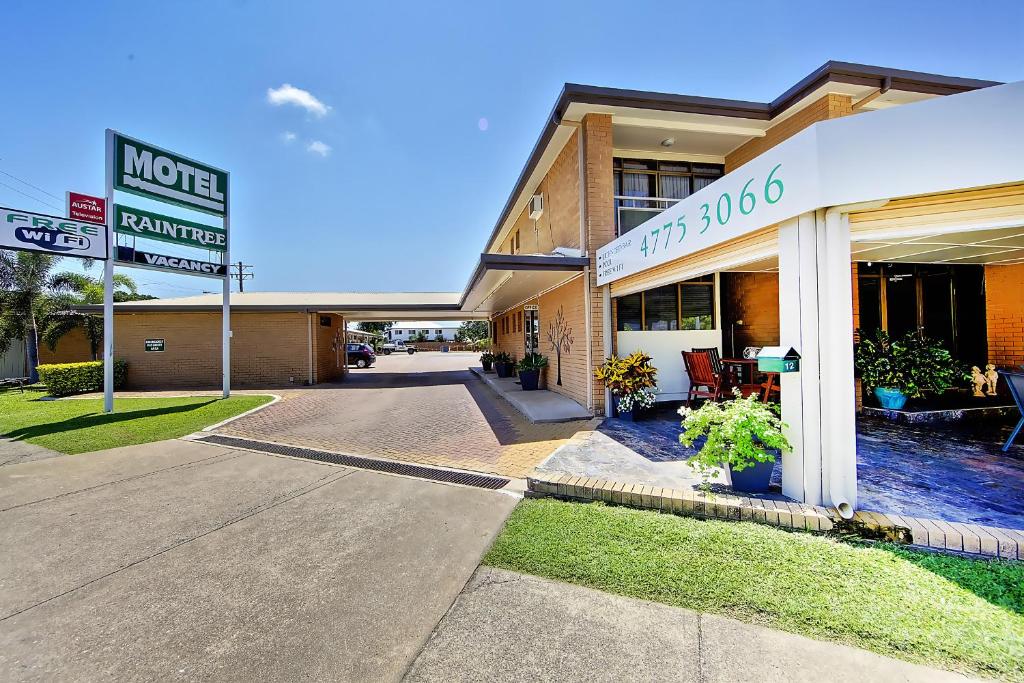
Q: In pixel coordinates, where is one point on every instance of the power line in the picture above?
(244, 273)
(34, 187)
(26, 194)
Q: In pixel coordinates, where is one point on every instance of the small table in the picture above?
(742, 373)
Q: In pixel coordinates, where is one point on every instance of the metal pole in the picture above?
(226, 315)
(108, 284)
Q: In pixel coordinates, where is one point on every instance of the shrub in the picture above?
(914, 364)
(532, 361)
(65, 379)
(737, 433)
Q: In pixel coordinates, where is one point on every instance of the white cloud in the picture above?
(289, 94)
(317, 147)
(288, 137)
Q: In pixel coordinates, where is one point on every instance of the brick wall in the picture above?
(567, 299)
(600, 219)
(575, 374)
(754, 299)
(329, 354)
(559, 225)
(72, 348)
(828, 107)
(266, 349)
(1004, 310)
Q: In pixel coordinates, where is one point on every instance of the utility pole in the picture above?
(244, 273)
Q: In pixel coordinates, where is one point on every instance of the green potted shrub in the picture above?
(504, 364)
(632, 381)
(529, 370)
(487, 360)
(908, 367)
(743, 434)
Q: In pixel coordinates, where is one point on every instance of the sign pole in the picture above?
(226, 315)
(108, 284)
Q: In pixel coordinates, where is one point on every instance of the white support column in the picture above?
(798, 327)
(816, 318)
(838, 397)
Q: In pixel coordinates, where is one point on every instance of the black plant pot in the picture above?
(529, 379)
(504, 370)
(488, 364)
(756, 478)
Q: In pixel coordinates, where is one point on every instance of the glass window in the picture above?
(697, 305)
(640, 164)
(628, 312)
(661, 309)
(674, 186)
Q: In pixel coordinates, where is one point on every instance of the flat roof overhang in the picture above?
(502, 281)
(576, 100)
(352, 305)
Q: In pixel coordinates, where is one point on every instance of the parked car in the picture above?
(360, 355)
(397, 347)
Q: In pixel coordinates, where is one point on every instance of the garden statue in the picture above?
(979, 381)
(991, 377)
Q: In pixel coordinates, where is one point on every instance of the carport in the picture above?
(279, 338)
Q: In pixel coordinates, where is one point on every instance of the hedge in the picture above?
(64, 379)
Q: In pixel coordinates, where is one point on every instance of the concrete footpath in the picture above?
(513, 627)
(181, 560)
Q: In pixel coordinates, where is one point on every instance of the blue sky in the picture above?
(388, 170)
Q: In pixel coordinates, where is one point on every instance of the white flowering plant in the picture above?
(642, 400)
(738, 433)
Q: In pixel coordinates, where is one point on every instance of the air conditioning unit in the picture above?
(536, 206)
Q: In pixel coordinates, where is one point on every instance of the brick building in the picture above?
(861, 197)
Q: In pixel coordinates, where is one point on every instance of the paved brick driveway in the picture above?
(427, 408)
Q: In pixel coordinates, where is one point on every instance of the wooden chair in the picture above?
(701, 372)
(770, 386)
(716, 358)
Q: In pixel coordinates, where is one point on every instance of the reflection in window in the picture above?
(661, 309)
(697, 306)
(629, 313)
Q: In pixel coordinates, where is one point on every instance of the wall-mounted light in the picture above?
(668, 142)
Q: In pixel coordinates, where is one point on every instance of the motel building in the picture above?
(862, 197)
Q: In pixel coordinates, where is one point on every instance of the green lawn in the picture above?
(79, 425)
(946, 611)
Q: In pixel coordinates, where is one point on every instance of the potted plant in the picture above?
(632, 381)
(529, 370)
(743, 434)
(896, 370)
(487, 360)
(504, 364)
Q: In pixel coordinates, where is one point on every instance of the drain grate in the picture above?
(482, 481)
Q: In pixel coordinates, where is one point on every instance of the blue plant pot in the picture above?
(891, 399)
(756, 478)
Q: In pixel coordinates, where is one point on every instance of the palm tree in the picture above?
(78, 289)
(26, 283)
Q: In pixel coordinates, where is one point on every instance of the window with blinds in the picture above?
(688, 305)
(629, 313)
(661, 309)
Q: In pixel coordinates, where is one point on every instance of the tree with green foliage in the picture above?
(472, 330)
(380, 327)
(83, 289)
(28, 286)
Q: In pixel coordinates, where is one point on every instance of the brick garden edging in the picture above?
(971, 539)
